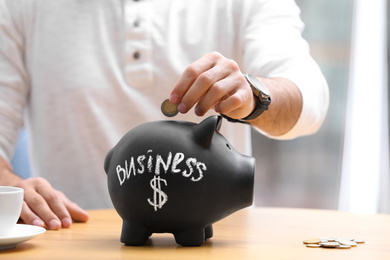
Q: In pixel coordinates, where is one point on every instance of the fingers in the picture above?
(40, 204)
(77, 213)
(30, 217)
(223, 96)
(45, 206)
(213, 82)
(187, 79)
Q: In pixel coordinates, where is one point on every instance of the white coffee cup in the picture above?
(11, 201)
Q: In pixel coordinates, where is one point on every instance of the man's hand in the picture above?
(43, 205)
(213, 82)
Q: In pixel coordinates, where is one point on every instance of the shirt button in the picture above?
(136, 55)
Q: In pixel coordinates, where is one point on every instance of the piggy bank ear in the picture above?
(204, 131)
(107, 160)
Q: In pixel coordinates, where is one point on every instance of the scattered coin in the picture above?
(169, 109)
(346, 239)
(347, 243)
(344, 243)
(312, 241)
(330, 244)
(313, 245)
(343, 247)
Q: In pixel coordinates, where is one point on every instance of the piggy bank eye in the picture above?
(228, 146)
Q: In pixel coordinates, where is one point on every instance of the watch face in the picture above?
(255, 82)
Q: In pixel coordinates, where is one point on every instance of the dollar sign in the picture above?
(159, 197)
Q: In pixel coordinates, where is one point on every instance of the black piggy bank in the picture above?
(177, 177)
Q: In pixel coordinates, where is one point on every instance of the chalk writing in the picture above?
(159, 197)
(157, 165)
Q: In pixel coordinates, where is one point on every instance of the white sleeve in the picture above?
(274, 47)
(13, 79)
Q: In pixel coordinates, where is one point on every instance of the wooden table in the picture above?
(253, 233)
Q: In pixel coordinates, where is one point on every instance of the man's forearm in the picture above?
(285, 107)
(7, 176)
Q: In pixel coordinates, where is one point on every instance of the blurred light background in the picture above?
(314, 171)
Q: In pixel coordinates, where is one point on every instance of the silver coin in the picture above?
(347, 243)
(313, 245)
(169, 109)
(330, 244)
(359, 241)
(343, 247)
(345, 239)
(329, 239)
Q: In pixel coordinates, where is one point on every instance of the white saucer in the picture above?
(20, 233)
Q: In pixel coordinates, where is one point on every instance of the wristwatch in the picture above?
(261, 95)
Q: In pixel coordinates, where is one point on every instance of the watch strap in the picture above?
(262, 103)
(258, 110)
(235, 120)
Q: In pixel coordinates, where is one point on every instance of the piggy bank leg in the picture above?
(208, 231)
(134, 234)
(195, 237)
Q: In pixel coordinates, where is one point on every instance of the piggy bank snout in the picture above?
(248, 180)
(243, 187)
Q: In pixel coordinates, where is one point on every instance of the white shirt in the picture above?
(86, 72)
